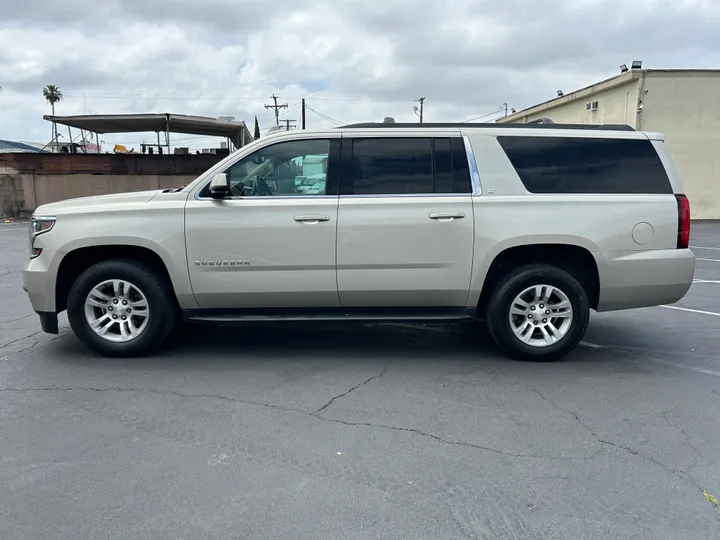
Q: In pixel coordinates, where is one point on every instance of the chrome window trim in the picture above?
(401, 195)
(472, 164)
(266, 197)
(364, 196)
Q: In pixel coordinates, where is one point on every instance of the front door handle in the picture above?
(311, 219)
(447, 216)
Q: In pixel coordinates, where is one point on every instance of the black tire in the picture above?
(500, 303)
(157, 291)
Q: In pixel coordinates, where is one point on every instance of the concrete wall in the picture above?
(43, 189)
(616, 105)
(12, 196)
(30, 180)
(687, 110)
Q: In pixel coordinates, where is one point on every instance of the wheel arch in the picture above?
(80, 258)
(575, 258)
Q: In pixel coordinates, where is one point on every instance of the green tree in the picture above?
(52, 95)
(257, 129)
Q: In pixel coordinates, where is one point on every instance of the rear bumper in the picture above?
(645, 278)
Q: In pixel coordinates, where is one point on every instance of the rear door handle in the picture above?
(312, 219)
(447, 216)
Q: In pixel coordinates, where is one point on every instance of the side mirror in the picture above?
(219, 186)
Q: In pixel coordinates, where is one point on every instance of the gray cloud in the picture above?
(369, 59)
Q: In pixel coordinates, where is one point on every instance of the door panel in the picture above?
(405, 221)
(272, 243)
(392, 253)
(272, 252)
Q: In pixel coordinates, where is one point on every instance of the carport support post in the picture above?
(167, 132)
(158, 136)
(97, 142)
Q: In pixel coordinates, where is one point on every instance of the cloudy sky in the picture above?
(354, 60)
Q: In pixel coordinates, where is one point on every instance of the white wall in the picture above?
(687, 109)
(616, 105)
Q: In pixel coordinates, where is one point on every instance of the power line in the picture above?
(263, 119)
(288, 123)
(276, 108)
(485, 115)
(321, 115)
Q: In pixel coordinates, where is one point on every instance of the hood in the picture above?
(99, 202)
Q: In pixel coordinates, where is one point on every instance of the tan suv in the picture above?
(527, 227)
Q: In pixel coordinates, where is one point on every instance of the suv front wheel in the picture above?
(538, 312)
(121, 307)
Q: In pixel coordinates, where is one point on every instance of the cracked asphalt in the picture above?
(364, 432)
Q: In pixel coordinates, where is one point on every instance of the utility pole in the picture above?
(302, 107)
(287, 124)
(276, 108)
(504, 105)
(419, 110)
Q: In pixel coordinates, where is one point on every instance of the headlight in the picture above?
(39, 225)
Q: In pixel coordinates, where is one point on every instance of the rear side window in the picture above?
(586, 165)
(392, 166)
(407, 166)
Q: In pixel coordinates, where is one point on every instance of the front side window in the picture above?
(291, 168)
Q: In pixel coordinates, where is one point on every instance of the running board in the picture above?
(360, 314)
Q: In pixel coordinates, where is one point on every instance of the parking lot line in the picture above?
(697, 369)
(711, 260)
(700, 311)
(716, 281)
(704, 247)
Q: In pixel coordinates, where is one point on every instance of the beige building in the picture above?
(684, 104)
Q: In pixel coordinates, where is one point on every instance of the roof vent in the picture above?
(388, 120)
(543, 120)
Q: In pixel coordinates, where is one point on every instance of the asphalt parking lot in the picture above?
(364, 432)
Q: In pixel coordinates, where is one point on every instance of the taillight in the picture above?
(683, 236)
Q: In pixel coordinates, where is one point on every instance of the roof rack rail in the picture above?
(542, 123)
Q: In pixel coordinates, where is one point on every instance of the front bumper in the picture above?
(38, 280)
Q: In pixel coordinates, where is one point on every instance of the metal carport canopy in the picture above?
(236, 131)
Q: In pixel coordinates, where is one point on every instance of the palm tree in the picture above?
(52, 95)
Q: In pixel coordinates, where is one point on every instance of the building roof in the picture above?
(7, 147)
(612, 82)
(158, 122)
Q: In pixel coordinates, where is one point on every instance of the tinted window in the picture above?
(392, 166)
(586, 165)
(283, 169)
(443, 169)
(397, 166)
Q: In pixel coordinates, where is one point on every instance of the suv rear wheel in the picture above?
(121, 308)
(538, 312)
